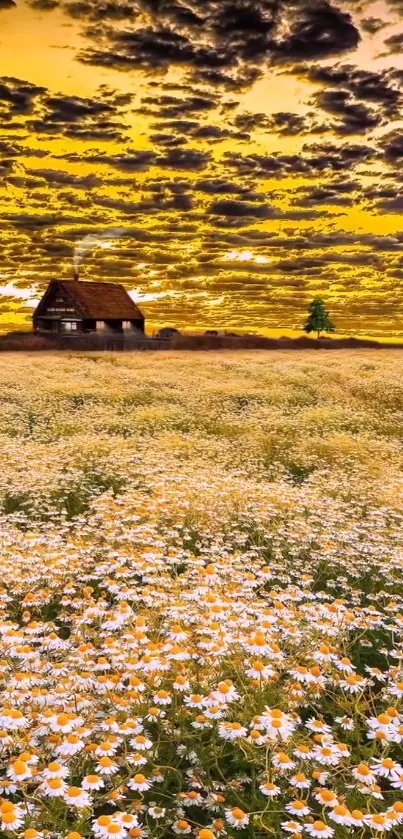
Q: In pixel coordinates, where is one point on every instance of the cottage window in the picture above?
(69, 326)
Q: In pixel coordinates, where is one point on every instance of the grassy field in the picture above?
(201, 628)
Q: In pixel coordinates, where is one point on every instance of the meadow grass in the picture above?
(201, 626)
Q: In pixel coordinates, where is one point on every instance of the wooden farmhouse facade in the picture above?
(72, 306)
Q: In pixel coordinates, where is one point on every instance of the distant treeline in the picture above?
(30, 342)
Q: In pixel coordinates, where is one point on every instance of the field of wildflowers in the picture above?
(201, 627)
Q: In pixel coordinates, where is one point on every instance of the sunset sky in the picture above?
(232, 159)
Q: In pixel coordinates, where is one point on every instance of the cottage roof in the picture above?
(98, 301)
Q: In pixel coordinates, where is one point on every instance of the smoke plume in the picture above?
(95, 240)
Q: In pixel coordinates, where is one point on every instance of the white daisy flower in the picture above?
(300, 781)
(136, 759)
(292, 827)
(139, 783)
(319, 829)
(357, 818)
(162, 698)
(378, 822)
(269, 789)
(19, 771)
(141, 743)
(55, 770)
(386, 768)
(363, 773)
(53, 788)
(340, 815)
(258, 670)
(181, 827)
(156, 812)
(77, 797)
(231, 730)
(12, 819)
(297, 808)
(326, 797)
(237, 817)
(92, 782)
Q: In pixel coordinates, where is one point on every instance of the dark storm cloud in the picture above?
(128, 161)
(318, 195)
(18, 96)
(6, 167)
(98, 118)
(180, 158)
(243, 209)
(394, 44)
(244, 77)
(250, 122)
(148, 48)
(380, 88)
(180, 125)
(75, 116)
(139, 234)
(338, 156)
(16, 149)
(218, 186)
(96, 10)
(157, 203)
(299, 264)
(190, 129)
(104, 130)
(373, 25)
(320, 30)
(381, 191)
(164, 185)
(170, 107)
(302, 263)
(240, 208)
(221, 40)
(313, 159)
(360, 99)
(44, 5)
(137, 161)
(212, 132)
(355, 117)
(390, 205)
(27, 183)
(167, 139)
(310, 240)
(30, 221)
(290, 124)
(392, 145)
(60, 178)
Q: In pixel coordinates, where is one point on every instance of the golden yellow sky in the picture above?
(236, 161)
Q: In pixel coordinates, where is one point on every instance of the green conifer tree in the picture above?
(318, 318)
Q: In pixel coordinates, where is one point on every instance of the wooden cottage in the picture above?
(72, 306)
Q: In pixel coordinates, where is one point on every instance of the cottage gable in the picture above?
(57, 303)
